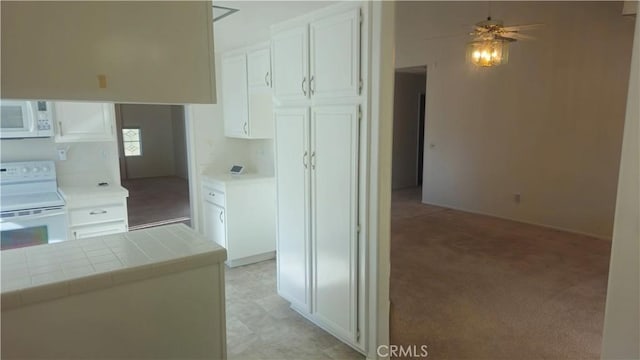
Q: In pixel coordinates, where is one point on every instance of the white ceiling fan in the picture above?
(490, 44)
(495, 29)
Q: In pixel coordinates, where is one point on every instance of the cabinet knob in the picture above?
(221, 219)
(304, 81)
(245, 129)
(266, 78)
(98, 212)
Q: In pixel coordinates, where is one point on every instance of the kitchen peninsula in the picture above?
(152, 293)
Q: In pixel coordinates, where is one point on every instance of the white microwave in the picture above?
(25, 119)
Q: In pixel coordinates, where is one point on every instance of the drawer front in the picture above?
(214, 196)
(98, 214)
(99, 230)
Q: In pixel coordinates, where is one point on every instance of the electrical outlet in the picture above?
(516, 198)
(62, 154)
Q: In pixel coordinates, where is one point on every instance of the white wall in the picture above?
(250, 25)
(156, 129)
(548, 125)
(179, 142)
(622, 317)
(406, 111)
(86, 164)
(261, 156)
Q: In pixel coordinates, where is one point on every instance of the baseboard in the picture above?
(251, 259)
(600, 237)
(311, 318)
(158, 223)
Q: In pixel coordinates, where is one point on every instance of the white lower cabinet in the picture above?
(103, 217)
(81, 232)
(239, 215)
(95, 211)
(214, 224)
(317, 188)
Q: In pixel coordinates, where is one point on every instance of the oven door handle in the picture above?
(44, 214)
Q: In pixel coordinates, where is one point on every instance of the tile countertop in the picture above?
(71, 193)
(229, 178)
(45, 272)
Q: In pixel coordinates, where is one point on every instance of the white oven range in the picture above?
(31, 210)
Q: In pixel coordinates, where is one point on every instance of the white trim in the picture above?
(382, 72)
(600, 237)
(192, 169)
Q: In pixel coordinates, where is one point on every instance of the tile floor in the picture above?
(260, 324)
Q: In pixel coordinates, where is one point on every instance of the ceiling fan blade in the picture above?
(517, 36)
(523, 27)
(507, 38)
(445, 36)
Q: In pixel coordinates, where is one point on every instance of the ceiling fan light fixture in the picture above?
(487, 53)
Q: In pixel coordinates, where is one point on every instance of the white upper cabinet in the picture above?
(335, 55)
(259, 68)
(260, 94)
(290, 49)
(115, 51)
(234, 96)
(317, 60)
(84, 121)
(246, 93)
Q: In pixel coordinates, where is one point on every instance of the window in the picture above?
(131, 142)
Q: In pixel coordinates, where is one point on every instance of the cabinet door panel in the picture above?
(234, 96)
(292, 186)
(219, 227)
(83, 121)
(214, 224)
(259, 67)
(260, 95)
(290, 56)
(335, 55)
(335, 198)
(208, 216)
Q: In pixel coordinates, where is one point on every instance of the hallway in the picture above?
(477, 287)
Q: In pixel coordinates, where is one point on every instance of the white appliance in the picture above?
(25, 119)
(31, 210)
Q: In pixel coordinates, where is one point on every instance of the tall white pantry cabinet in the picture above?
(318, 98)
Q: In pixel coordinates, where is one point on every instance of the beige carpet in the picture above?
(156, 200)
(478, 287)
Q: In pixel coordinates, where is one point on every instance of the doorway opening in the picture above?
(154, 167)
(409, 127)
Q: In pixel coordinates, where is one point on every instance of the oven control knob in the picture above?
(45, 169)
(35, 169)
(25, 170)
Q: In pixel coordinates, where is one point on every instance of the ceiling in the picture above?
(251, 24)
